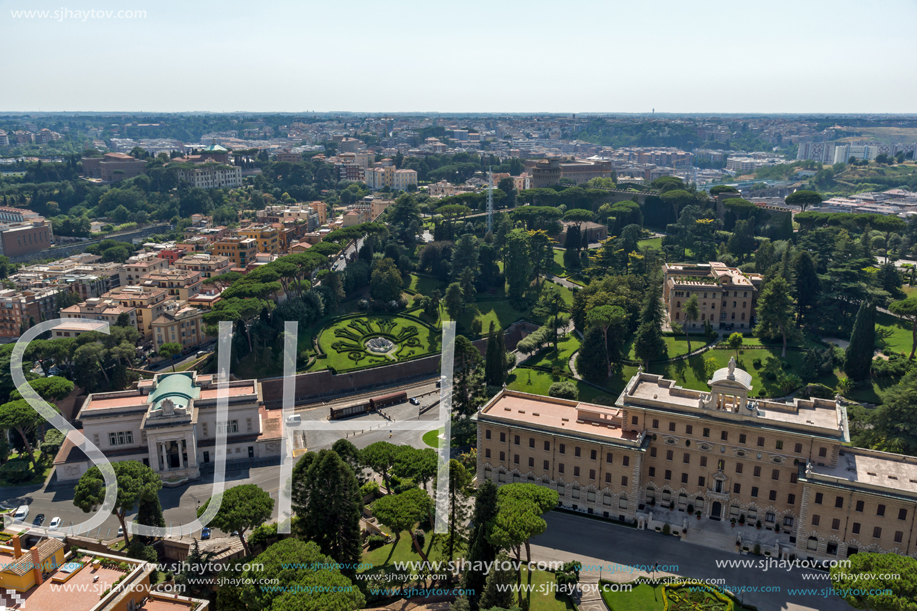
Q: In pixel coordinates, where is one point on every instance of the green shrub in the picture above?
(371, 487)
(376, 541)
(421, 537)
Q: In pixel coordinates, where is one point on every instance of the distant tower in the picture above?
(490, 200)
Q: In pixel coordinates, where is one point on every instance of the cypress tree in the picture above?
(649, 344)
(591, 360)
(149, 513)
(495, 358)
(862, 343)
(480, 550)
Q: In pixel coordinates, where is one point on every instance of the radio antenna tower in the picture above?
(490, 200)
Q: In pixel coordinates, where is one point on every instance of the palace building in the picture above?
(662, 448)
(170, 424)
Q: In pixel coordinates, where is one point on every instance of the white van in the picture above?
(22, 513)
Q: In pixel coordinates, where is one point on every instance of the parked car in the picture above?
(414, 401)
(22, 513)
(55, 524)
(120, 531)
(39, 520)
(205, 533)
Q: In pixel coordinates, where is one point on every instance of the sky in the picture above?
(576, 56)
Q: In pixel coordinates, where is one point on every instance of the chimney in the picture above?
(36, 566)
(17, 547)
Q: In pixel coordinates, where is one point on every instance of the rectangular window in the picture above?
(531, 462)
(608, 478)
(516, 440)
(609, 458)
(591, 473)
(626, 461)
(668, 474)
(531, 442)
(856, 528)
(899, 536)
(515, 459)
(652, 452)
(724, 435)
(775, 474)
(773, 495)
(560, 467)
(757, 472)
(859, 506)
(822, 452)
(902, 514)
(547, 465)
(791, 499)
(669, 454)
(575, 471)
(798, 449)
(818, 498)
(876, 533)
(794, 477)
(738, 467)
(502, 437)
(689, 430)
(684, 478)
(880, 510)
(486, 452)
(754, 491)
(623, 480)
(655, 423)
(760, 442)
(835, 524)
(672, 426)
(816, 519)
(592, 454)
(839, 502)
(686, 458)
(634, 420)
(779, 445)
(547, 446)
(576, 451)
(652, 471)
(502, 456)
(742, 438)
(736, 488)
(701, 481)
(706, 432)
(562, 449)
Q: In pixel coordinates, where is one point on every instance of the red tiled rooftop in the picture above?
(136, 400)
(559, 416)
(78, 594)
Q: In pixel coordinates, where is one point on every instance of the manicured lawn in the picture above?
(431, 438)
(544, 601)
(557, 268)
(343, 342)
(566, 347)
(426, 284)
(539, 382)
(400, 551)
(642, 597)
(900, 339)
(21, 461)
(500, 312)
(650, 243)
(676, 345)
(565, 292)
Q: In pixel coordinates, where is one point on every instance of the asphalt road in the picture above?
(180, 504)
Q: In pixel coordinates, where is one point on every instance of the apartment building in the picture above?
(108, 310)
(149, 303)
(726, 295)
(10, 313)
(661, 448)
(181, 324)
(265, 236)
(206, 264)
(181, 284)
(240, 250)
(139, 266)
(210, 175)
(548, 172)
(382, 176)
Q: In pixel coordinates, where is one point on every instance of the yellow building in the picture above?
(240, 250)
(180, 324)
(265, 236)
(149, 303)
(726, 295)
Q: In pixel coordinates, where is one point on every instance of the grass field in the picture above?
(499, 311)
(566, 347)
(431, 438)
(642, 597)
(400, 551)
(676, 345)
(900, 338)
(426, 284)
(557, 268)
(565, 292)
(334, 345)
(539, 382)
(544, 602)
(650, 243)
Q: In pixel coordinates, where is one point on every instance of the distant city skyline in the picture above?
(716, 57)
